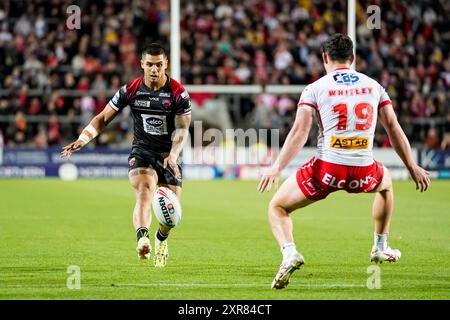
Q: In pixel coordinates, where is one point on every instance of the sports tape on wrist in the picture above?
(90, 128)
(84, 138)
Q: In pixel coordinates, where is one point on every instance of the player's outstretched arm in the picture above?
(181, 133)
(295, 141)
(97, 124)
(401, 145)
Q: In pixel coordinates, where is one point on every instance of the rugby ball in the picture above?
(166, 207)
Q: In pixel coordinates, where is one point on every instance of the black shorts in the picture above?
(140, 158)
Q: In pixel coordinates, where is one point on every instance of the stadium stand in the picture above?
(52, 79)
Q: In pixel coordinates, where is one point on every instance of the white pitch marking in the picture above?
(199, 285)
(233, 285)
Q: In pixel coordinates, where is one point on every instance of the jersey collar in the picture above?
(341, 68)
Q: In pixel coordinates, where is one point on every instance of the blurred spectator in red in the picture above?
(83, 84)
(23, 97)
(54, 137)
(35, 107)
(91, 65)
(100, 102)
(417, 106)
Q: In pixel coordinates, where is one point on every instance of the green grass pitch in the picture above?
(223, 249)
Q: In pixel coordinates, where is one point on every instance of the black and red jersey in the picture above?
(153, 111)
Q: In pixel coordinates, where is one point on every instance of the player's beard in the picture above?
(152, 81)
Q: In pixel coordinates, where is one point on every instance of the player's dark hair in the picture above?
(153, 49)
(339, 47)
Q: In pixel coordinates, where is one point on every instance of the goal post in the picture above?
(351, 25)
(175, 41)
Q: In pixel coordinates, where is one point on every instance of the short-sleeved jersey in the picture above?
(346, 104)
(153, 111)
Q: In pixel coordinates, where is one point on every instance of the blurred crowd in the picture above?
(66, 76)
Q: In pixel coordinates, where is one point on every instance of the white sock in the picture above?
(380, 241)
(287, 249)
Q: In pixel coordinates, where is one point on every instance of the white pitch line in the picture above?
(232, 285)
(193, 285)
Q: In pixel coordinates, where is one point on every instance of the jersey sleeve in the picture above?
(119, 100)
(183, 104)
(384, 98)
(307, 98)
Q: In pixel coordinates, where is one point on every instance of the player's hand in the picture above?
(171, 160)
(71, 148)
(270, 177)
(421, 177)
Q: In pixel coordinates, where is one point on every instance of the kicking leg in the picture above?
(143, 180)
(287, 199)
(161, 235)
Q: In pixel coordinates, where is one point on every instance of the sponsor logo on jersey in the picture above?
(166, 103)
(349, 143)
(145, 93)
(310, 186)
(333, 182)
(141, 103)
(142, 92)
(154, 122)
(115, 99)
(184, 94)
(132, 162)
(345, 78)
(164, 94)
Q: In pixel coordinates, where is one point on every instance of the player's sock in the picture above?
(287, 249)
(380, 241)
(161, 236)
(141, 232)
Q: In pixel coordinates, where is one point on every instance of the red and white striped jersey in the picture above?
(346, 104)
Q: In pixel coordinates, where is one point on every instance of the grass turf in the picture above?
(223, 248)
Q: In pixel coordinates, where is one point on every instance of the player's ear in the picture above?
(352, 59)
(325, 57)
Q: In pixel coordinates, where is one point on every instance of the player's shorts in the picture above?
(318, 178)
(140, 158)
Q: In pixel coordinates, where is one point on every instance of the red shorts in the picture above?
(317, 178)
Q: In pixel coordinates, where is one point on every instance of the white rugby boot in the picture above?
(161, 253)
(378, 256)
(144, 248)
(287, 267)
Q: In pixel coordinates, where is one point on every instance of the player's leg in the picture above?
(383, 204)
(143, 180)
(167, 179)
(382, 210)
(288, 198)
